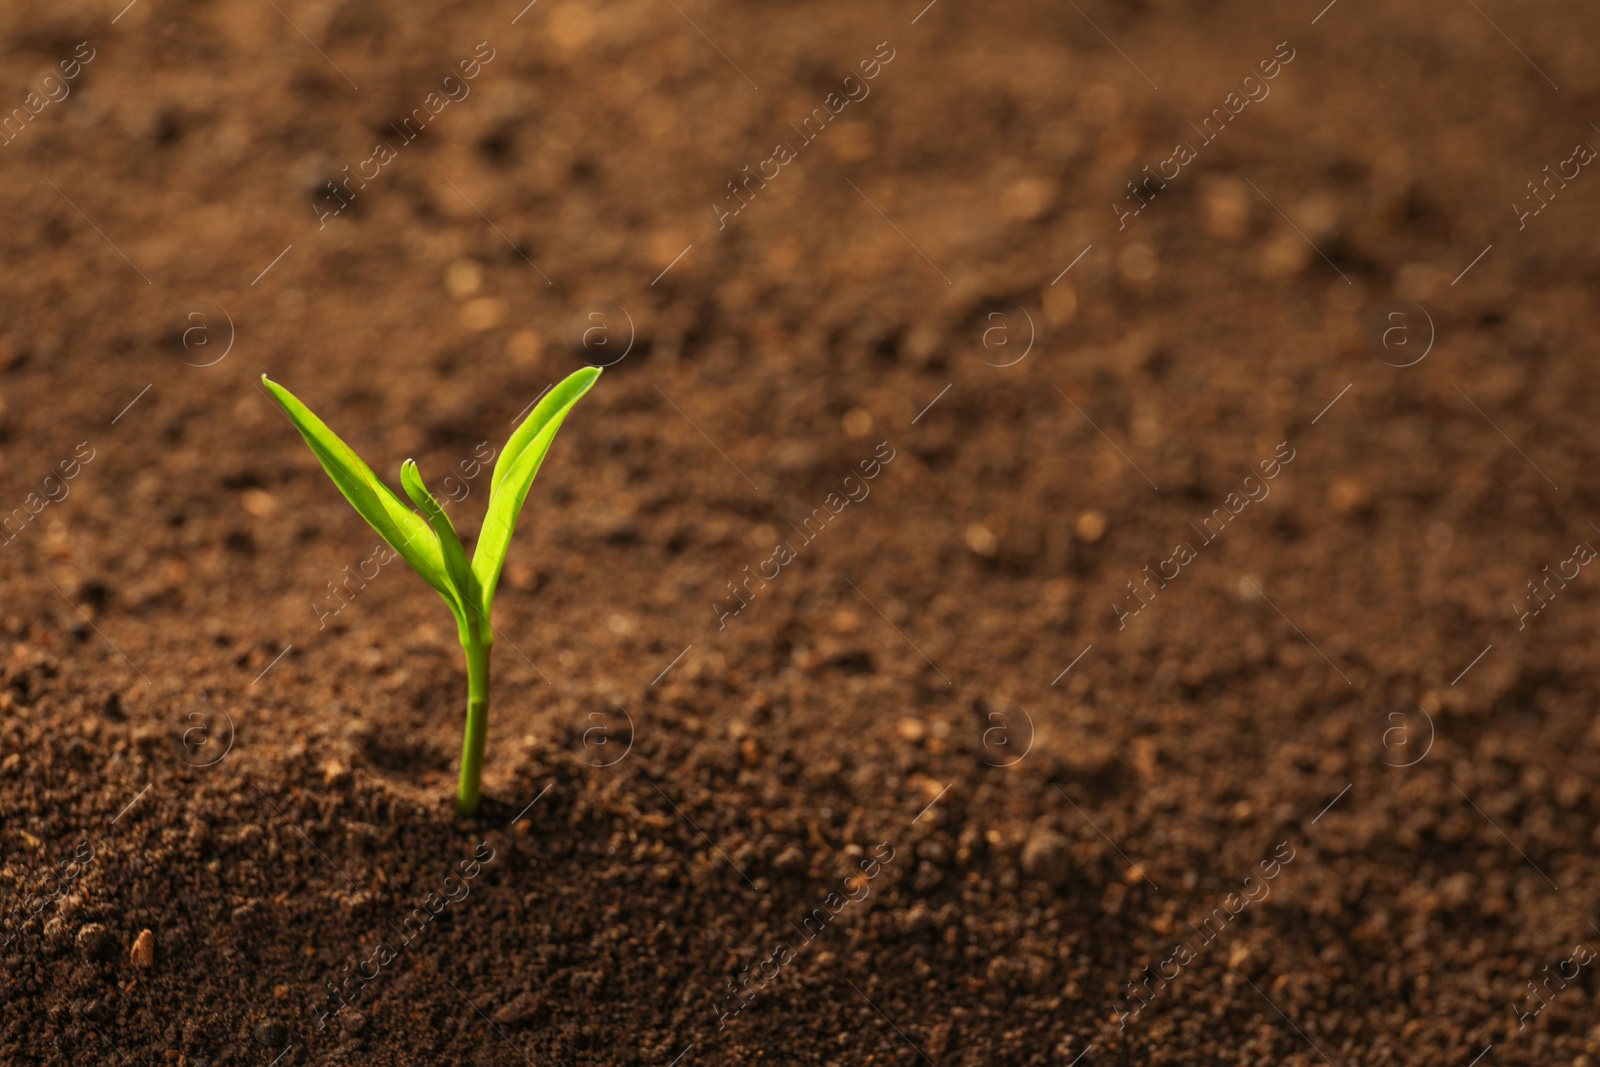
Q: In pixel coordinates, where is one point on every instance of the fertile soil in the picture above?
(1181, 644)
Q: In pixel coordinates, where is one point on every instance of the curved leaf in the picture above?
(456, 567)
(555, 402)
(514, 473)
(396, 523)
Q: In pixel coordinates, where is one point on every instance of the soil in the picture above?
(1151, 674)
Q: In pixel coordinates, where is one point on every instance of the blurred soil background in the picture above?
(1010, 780)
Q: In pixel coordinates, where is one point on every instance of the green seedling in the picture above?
(430, 544)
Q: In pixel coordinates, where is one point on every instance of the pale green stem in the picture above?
(477, 727)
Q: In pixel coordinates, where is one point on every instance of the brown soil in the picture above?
(198, 745)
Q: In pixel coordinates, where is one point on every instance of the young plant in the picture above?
(430, 544)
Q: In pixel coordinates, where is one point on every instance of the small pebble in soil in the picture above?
(143, 953)
(57, 932)
(516, 1010)
(93, 940)
(1047, 857)
(791, 861)
(270, 1033)
(352, 1021)
(917, 919)
(982, 540)
(1090, 527)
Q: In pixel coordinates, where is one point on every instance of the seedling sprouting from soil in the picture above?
(430, 544)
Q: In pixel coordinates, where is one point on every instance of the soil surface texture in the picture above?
(1079, 554)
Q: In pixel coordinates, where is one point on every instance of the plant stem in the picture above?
(477, 728)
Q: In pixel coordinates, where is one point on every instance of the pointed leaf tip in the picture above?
(456, 567)
(514, 472)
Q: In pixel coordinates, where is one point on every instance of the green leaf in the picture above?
(554, 403)
(396, 523)
(455, 557)
(514, 473)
